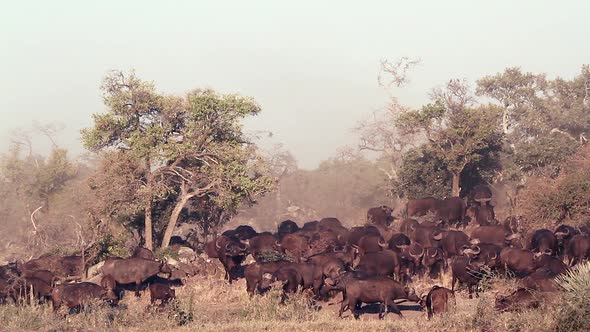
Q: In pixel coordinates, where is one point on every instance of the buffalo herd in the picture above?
(374, 263)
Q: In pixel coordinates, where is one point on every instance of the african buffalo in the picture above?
(141, 252)
(383, 263)
(492, 234)
(162, 292)
(373, 290)
(437, 300)
(421, 206)
(434, 261)
(371, 243)
(296, 246)
(543, 240)
(481, 194)
(520, 261)
(255, 271)
(133, 270)
(483, 215)
(287, 227)
(427, 236)
(231, 254)
(578, 249)
(77, 294)
(564, 233)
(452, 243)
(451, 210)
(467, 271)
(260, 244)
(380, 215)
(551, 263)
(520, 299)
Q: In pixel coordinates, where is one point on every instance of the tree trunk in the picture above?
(184, 198)
(456, 189)
(149, 244)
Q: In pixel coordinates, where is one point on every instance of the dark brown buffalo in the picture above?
(481, 194)
(288, 276)
(451, 210)
(109, 283)
(10, 270)
(329, 223)
(452, 243)
(356, 233)
(487, 254)
(324, 240)
(564, 234)
(437, 300)
(77, 294)
(287, 227)
(483, 215)
(467, 271)
(4, 290)
(411, 258)
(380, 215)
(22, 287)
(434, 261)
(541, 280)
(398, 239)
(375, 290)
(492, 234)
(578, 249)
(255, 271)
(242, 232)
(133, 270)
(543, 240)
(427, 236)
(551, 263)
(311, 226)
(520, 299)
(520, 261)
(371, 243)
(60, 266)
(231, 254)
(408, 225)
(325, 266)
(162, 292)
(260, 244)
(422, 206)
(296, 246)
(383, 263)
(44, 275)
(145, 253)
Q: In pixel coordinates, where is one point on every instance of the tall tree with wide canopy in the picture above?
(184, 147)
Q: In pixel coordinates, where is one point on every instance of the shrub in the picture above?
(575, 308)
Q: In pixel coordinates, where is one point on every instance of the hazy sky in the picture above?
(312, 65)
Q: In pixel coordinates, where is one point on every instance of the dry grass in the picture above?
(209, 304)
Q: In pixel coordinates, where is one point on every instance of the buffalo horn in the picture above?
(417, 256)
(476, 252)
(383, 244)
(227, 246)
(437, 236)
(246, 242)
(217, 245)
(548, 252)
(432, 256)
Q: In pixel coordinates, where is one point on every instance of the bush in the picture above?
(565, 197)
(575, 308)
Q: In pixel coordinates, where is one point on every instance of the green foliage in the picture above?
(575, 307)
(422, 174)
(176, 149)
(109, 246)
(544, 152)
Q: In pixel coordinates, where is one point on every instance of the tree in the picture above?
(184, 147)
(458, 134)
(543, 120)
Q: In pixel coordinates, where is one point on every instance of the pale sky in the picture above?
(312, 65)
